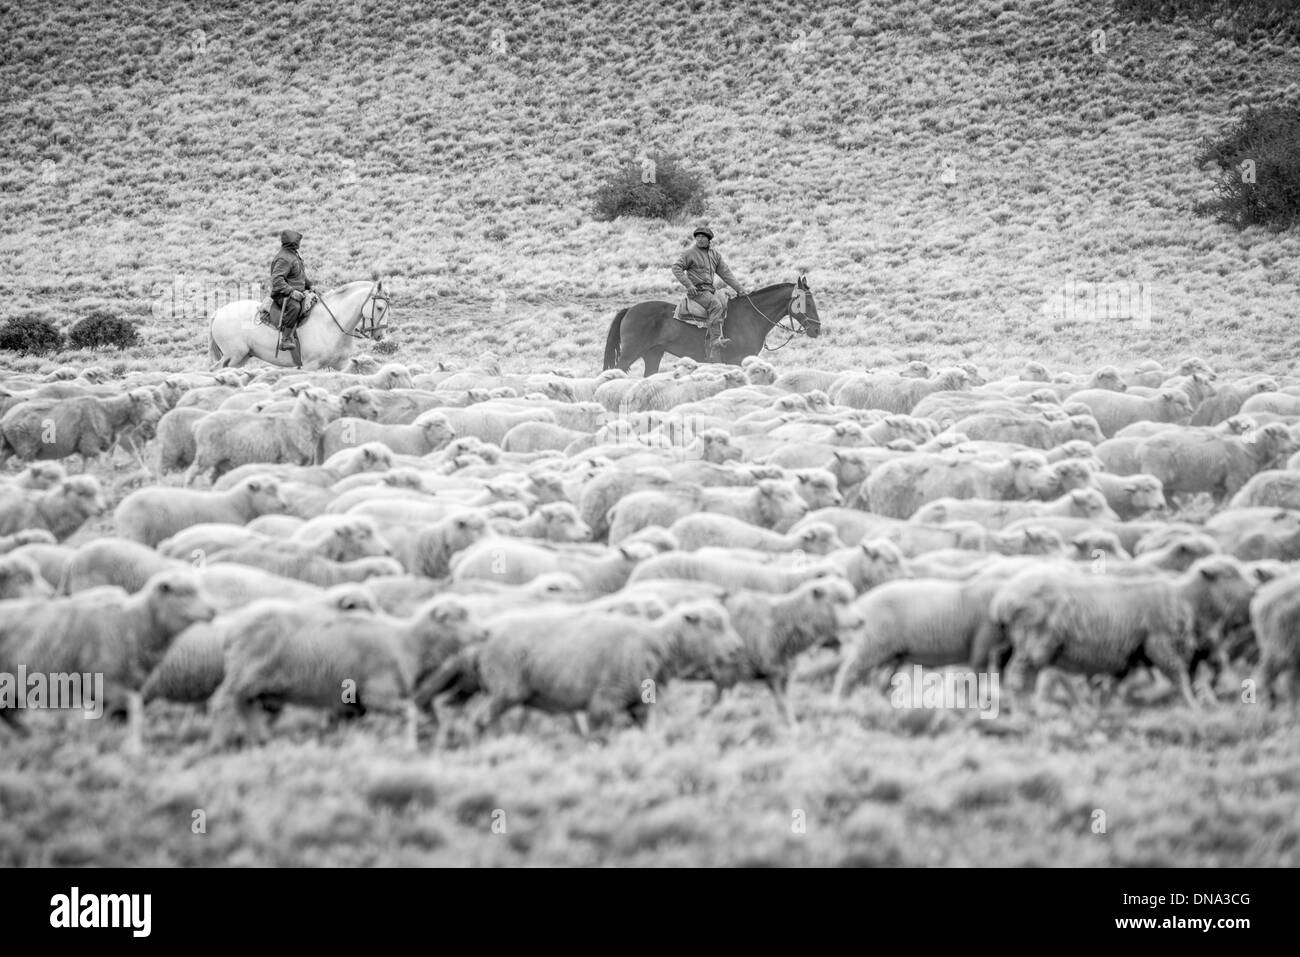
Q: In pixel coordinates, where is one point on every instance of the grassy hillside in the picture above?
(936, 172)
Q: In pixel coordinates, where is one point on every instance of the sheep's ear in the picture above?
(254, 485)
(803, 479)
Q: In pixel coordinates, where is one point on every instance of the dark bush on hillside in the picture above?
(102, 329)
(385, 347)
(1270, 140)
(658, 189)
(28, 334)
(1239, 19)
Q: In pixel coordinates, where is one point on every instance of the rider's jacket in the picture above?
(287, 270)
(696, 266)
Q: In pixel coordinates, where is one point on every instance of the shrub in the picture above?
(1268, 194)
(1238, 19)
(385, 347)
(29, 334)
(659, 188)
(102, 329)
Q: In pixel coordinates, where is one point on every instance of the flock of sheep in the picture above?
(447, 543)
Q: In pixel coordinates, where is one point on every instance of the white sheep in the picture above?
(152, 514)
(227, 440)
(60, 510)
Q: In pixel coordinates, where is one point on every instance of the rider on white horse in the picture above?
(289, 284)
(694, 269)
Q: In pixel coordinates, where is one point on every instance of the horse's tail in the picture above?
(611, 341)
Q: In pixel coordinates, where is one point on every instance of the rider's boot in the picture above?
(716, 343)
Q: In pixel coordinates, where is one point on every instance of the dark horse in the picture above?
(648, 329)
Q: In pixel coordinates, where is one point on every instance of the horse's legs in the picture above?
(652, 359)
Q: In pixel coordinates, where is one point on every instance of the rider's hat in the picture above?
(290, 237)
(702, 227)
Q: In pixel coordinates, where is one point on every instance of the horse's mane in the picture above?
(755, 292)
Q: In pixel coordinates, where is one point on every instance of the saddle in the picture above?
(268, 312)
(691, 313)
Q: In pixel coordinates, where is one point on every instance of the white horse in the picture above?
(353, 311)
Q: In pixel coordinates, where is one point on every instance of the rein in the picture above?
(366, 330)
(797, 330)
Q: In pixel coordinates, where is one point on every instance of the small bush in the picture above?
(1268, 195)
(385, 347)
(103, 329)
(28, 334)
(659, 188)
(1238, 19)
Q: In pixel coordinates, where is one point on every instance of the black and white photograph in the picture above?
(694, 434)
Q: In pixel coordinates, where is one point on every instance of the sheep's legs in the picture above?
(412, 737)
(779, 686)
(134, 723)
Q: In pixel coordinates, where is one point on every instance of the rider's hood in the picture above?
(290, 238)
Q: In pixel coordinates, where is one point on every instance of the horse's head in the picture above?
(804, 308)
(374, 313)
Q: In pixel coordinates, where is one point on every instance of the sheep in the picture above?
(1275, 618)
(36, 477)
(437, 544)
(176, 438)
(1119, 456)
(351, 463)
(429, 432)
(1097, 543)
(851, 526)
(894, 393)
(538, 436)
(663, 392)
(303, 562)
(730, 572)
(1279, 403)
(60, 510)
(707, 529)
(31, 536)
(51, 560)
(1230, 400)
(1188, 461)
(20, 577)
(602, 664)
(226, 440)
(927, 621)
(1114, 410)
(102, 631)
(1131, 496)
(491, 423)
(1176, 554)
(1101, 624)
(1080, 503)
(516, 562)
(114, 561)
(195, 543)
(1039, 433)
(346, 664)
(554, 522)
(599, 495)
(771, 504)
(1273, 488)
(152, 514)
(899, 487)
(194, 665)
(1257, 533)
(86, 426)
(775, 629)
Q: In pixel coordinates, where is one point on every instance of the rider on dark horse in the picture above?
(694, 269)
(289, 284)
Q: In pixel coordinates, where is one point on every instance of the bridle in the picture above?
(779, 323)
(367, 327)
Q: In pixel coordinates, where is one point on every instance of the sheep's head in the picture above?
(1224, 587)
(818, 489)
(82, 495)
(1073, 474)
(703, 644)
(817, 538)
(1108, 377)
(350, 597)
(358, 402)
(715, 446)
(562, 523)
(1144, 493)
(1090, 503)
(778, 504)
(1032, 475)
(1095, 543)
(263, 494)
(876, 561)
(20, 577)
(175, 602)
(827, 607)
